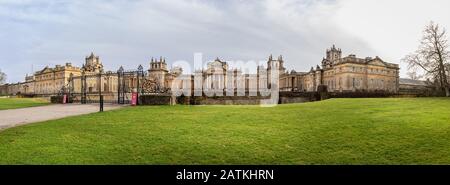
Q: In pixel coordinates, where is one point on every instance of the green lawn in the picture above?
(336, 131)
(15, 103)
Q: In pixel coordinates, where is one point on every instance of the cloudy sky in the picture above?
(37, 33)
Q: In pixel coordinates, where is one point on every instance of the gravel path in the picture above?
(15, 117)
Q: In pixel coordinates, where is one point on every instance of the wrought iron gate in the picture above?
(115, 87)
(129, 82)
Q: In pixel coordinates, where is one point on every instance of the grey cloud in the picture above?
(129, 33)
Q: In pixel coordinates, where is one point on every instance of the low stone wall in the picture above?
(284, 98)
(59, 99)
(300, 97)
(108, 97)
(226, 100)
(287, 100)
(356, 94)
(155, 100)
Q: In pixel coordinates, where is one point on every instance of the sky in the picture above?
(39, 33)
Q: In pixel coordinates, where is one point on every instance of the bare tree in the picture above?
(2, 77)
(448, 72)
(432, 56)
(413, 75)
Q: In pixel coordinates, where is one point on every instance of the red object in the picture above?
(134, 98)
(64, 99)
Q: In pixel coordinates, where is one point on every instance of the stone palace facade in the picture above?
(344, 74)
(337, 73)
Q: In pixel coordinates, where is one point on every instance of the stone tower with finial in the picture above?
(334, 53)
(158, 70)
(158, 65)
(332, 57)
(278, 64)
(93, 64)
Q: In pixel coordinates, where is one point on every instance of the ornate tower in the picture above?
(278, 64)
(158, 71)
(93, 64)
(160, 65)
(279, 67)
(334, 54)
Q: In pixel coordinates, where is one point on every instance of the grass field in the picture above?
(15, 103)
(336, 131)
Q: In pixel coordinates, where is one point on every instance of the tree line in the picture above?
(2, 77)
(432, 57)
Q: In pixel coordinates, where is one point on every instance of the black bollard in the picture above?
(101, 103)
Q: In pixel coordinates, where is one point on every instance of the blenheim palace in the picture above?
(342, 74)
(339, 74)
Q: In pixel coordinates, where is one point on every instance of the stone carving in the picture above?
(152, 85)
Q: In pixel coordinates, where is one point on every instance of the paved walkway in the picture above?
(15, 117)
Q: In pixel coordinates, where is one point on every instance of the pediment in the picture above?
(216, 63)
(46, 70)
(377, 62)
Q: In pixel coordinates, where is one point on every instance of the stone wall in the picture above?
(285, 97)
(225, 100)
(362, 94)
(108, 97)
(59, 99)
(287, 100)
(298, 97)
(155, 100)
(417, 90)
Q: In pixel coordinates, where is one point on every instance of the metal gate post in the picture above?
(83, 88)
(119, 85)
(101, 103)
(71, 88)
(140, 72)
(100, 96)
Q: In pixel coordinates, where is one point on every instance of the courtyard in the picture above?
(334, 131)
